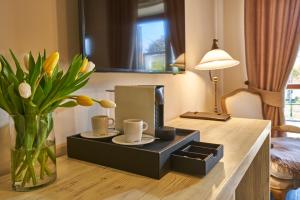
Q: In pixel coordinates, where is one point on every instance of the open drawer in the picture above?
(196, 157)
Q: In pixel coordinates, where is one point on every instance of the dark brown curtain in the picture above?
(175, 10)
(122, 17)
(272, 39)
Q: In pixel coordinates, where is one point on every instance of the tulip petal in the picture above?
(84, 65)
(24, 90)
(90, 67)
(84, 100)
(50, 63)
(107, 103)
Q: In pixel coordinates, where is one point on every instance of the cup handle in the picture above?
(111, 122)
(145, 126)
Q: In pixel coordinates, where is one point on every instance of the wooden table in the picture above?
(243, 173)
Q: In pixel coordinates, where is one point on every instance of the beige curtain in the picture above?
(272, 33)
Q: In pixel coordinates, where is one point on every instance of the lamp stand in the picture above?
(216, 115)
(209, 115)
(215, 80)
(213, 60)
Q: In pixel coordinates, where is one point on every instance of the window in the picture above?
(292, 93)
(151, 45)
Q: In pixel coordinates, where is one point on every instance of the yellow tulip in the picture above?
(50, 63)
(84, 65)
(107, 103)
(84, 100)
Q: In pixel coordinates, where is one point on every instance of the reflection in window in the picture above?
(134, 35)
(151, 45)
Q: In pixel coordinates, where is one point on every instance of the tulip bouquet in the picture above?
(29, 94)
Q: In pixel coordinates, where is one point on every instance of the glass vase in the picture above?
(33, 158)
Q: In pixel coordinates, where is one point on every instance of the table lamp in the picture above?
(213, 60)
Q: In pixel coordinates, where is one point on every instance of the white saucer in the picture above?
(146, 139)
(92, 135)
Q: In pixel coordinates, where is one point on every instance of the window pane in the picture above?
(151, 45)
(292, 96)
(292, 105)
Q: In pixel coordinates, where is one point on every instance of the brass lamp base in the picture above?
(215, 80)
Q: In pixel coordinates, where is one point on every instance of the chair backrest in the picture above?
(243, 103)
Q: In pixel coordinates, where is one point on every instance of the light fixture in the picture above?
(213, 60)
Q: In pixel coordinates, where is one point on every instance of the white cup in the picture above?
(133, 129)
(101, 124)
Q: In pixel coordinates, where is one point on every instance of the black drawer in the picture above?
(196, 157)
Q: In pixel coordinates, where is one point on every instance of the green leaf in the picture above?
(73, 70)
(4, 84)
(53, 106)
(73, 88)
(55, 89)
(8, 72)
(47, 85)
(31, 65)
(6, 63)
(82, 78)
(44, 55)
(57, 78)
(71, 73)
(62, 85)
(39, 96)
(3, 103)
(55, 71)
(36, 72)
(69, 104)
(15, 99)
(20, 73)
(51, 95)
(30, 108)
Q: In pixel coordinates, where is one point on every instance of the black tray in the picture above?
(152, 160)
(196, 157)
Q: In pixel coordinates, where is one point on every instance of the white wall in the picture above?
(189, 91)
(233, 22)
(35, 25)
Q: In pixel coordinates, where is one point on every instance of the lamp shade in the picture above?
(216, 59)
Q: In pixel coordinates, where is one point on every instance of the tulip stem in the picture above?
(96, 100)
(51, 102)
(36, 84)
(72, 97)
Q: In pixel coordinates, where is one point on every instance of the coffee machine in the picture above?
(144, 102)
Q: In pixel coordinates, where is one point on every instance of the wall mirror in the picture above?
(134, 35)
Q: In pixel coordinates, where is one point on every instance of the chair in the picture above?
(285, 151)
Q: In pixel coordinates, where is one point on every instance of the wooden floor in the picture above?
(293, 195)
